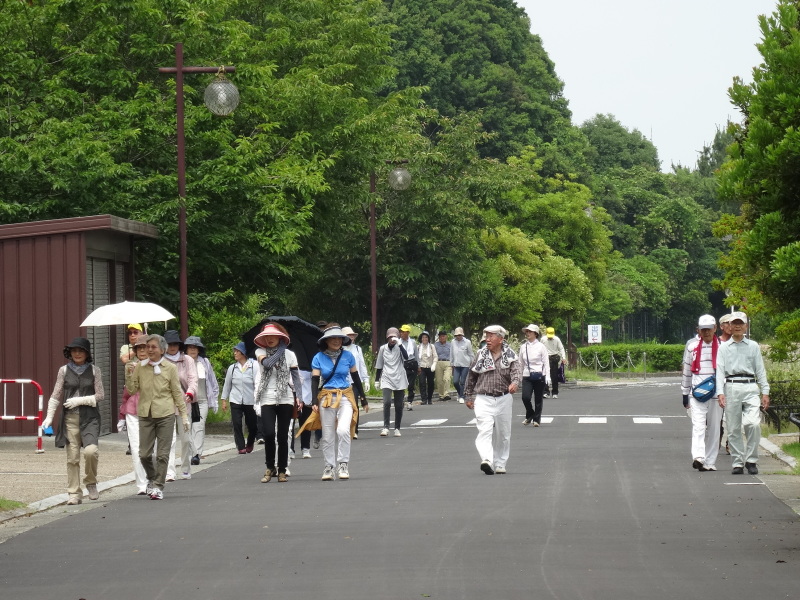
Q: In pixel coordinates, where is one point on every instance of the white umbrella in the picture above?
(127, 312)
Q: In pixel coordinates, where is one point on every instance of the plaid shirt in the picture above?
(492, 383)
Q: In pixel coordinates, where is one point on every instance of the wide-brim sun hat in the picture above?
(269, 329)
(241, 348)
(79, 342)
(458, 331)
(531, 327)
(392, 332)
(172, 337)
(193, 340)
(332, 332)
(348, 331)
(419, 338)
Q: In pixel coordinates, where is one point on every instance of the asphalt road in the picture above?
(588, 510)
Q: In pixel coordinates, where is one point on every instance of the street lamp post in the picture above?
(179, 69)
(399, 179)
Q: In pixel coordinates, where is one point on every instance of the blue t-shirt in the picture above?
(340, 379)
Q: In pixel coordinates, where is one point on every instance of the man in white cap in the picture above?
(495, 374)
(461, 357)
(740, 376)
(699, 367)
(725, 326)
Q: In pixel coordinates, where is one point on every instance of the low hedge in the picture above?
(660, 357)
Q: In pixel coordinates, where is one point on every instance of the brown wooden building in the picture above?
(52, 275)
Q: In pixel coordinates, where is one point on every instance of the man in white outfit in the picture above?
(494, 375)
(700, 363)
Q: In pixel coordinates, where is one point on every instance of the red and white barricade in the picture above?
(39, 417)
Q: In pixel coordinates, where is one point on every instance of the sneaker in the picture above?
(157, 494)
(526, 422)
(94, 494)
(397, 433)
(75, 499)
(195, 459)
(149, 489)
(267, 476)
(555, 396)
(487, 468)
(288, 472)
(545, 395)
(260, 441)
(384, 432)
(291, 453)
(186, 475)
(172, 478)
(737, 471)
(710, 468)
(355, 435)
(752, 468)
(461, 401)
(316, 443)
(306, 453)
(283, 477)
(342, 472)
(697, 463)
(408, 406)
(500, 470)
(535, 424)
(327, 474)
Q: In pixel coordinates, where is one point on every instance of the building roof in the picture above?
(78, 225)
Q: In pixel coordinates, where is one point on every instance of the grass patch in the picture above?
(792, 449)
(6, 505)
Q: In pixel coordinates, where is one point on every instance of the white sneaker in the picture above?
(342, 472)
(306, 453)
(397, 433)
(555, 396)
(327, 474)
(461, 401)
(384, 432)
(291, 453)
(500, 470)
(186, 475)
(545, 395)
(526, 422)
(288, 472)
(157, 494)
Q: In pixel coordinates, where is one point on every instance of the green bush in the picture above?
(660, 357)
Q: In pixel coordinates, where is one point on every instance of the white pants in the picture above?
(132, 424)
(706, 417)
(186, 449)
(743, 411)
(493, 417)
(336, 421)
(199, 430)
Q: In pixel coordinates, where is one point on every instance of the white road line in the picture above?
(547, 420)
(592, 420)
(372, 424)
(647, 420)
(748, 483)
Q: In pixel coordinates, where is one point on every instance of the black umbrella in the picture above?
(303, 334)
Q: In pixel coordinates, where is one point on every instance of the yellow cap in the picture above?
(405, 328)
(551, 332)
(135, 326)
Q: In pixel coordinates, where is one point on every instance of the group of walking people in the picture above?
(724, 381)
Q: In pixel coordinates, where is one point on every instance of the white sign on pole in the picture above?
(595, 334)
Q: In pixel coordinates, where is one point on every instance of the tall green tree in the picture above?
(763, 266)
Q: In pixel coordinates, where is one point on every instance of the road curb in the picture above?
(775, 451)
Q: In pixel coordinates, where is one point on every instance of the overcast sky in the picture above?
(660, 66)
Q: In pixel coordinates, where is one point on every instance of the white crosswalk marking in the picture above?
(370, 424)
(428, 422)
(547, 420)
(647, 420)
(593, 420)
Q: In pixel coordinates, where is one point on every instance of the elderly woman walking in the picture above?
(276, 381)
(390, 373)
(335, 403)
(207, 393)
(160, 398)
(535, 374)
(239, 388)
(187, 374)
(79, 384)
(426, 354)
(129, 419)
